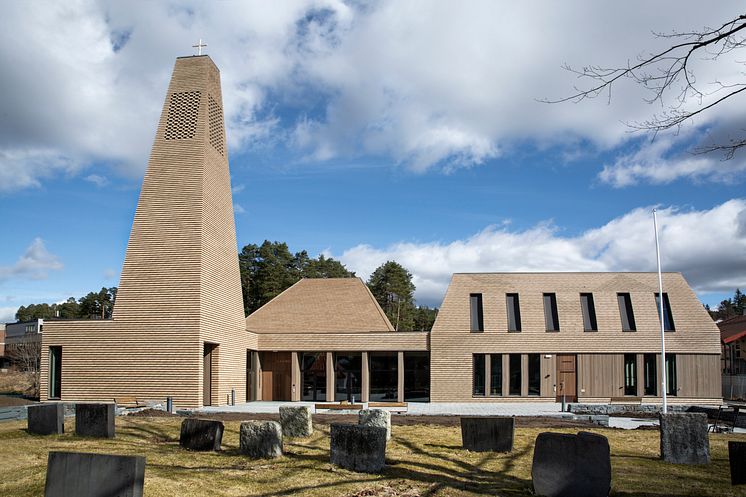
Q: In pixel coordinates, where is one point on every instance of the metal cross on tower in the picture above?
(199, 46)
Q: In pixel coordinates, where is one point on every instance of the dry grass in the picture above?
(15, 382)
(421, 460)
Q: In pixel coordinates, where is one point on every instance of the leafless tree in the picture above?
(26, 356)
(671, 79)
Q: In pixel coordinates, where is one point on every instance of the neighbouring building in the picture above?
(733, 342)
(178, 328)
(3, 359)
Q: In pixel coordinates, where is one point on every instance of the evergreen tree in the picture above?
(391, 285)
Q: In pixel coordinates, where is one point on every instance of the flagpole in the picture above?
(660, 310)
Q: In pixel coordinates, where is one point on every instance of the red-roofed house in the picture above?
(733, 341)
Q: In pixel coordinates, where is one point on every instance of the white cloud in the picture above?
(8, 314)
(237, 188)
(110, 274)
(453, 84)
(711, 263)
(238, 209)
(98, 180)
(35, 263)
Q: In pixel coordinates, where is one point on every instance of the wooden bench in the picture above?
(339, 407)
(129, 402)
(393, 406)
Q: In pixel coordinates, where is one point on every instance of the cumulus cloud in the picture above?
(451, 85)
(238, 209)
(35, 263)
(8, 314)
(97, 179)
(711, 263)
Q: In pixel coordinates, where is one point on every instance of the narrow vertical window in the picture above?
(667, 315)
(478, 375)
(630, 374)
(551, 319)
(496, 374)
(534, 374)
(625, 311)
(477, 318)
(514, 312)
(651, 374)
(671, 383)
(514, 368)
(55, 372)
(589, 312)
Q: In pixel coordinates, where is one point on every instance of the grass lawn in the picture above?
(421, 460)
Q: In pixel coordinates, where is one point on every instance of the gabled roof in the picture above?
(732, 329)
(321, 305)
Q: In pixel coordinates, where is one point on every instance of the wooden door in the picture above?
(567, 381)
(276, 381)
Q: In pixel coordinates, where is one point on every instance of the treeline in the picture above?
(266, 271)
(270, 268)
(729, 308)
(95, 305)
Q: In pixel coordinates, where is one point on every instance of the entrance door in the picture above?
(567, 382)
(207, 373)
(276, 367)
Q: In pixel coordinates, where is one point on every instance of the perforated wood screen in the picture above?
(182, 115)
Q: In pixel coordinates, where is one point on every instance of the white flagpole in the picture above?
(660, 310)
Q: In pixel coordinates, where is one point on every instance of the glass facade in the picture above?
(55, 372)
(630, 374)
(496, 374)
(514, 372)
(478, 383)
(383, 376)
(651, 374)
(417, 376)
(313, 374)
(534, 374)
(348, 376)
(671, 380)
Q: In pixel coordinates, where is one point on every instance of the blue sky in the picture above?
(395, 130)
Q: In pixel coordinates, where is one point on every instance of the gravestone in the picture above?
(487, 433)
(358, 448)
(201, 434)
(737, 457)
(46, 419)
(94, 475)
(94, 420)
(261, 439)
(684, 438)
(296, 421)
(568, 465)
(375, 417)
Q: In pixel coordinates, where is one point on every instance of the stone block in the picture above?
(46, 419)
(487, 433)
(737, 458)
(358, 448)
(296, 421)
(567, 465)
(94, 420)
(261, 439)
(376, 417)
(201, 434)
(684, 438)
(94, 475)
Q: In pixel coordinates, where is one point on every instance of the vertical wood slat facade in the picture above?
(180, 284)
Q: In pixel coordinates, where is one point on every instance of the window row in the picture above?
(551, 315)
(490, 372)
(649, 374)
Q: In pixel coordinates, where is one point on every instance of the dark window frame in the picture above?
(534, 375)
(668, 322)
(626, 312)
(630, 374)
(512, 376)
(496, 386)
(650, 379)
(672, 382)
(476, 313)
(478, 389)
(554, 325)
(588, 310)
(513, 312)
(55, 372)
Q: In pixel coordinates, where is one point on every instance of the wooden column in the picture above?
(330, 383)
(506, 375)
(365, 387)
(640, 375)
(258, 376)
(295, 378)
(524, 375)
(400, 377)
(487, 374)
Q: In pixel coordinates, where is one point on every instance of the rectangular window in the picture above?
(514, 370)
(477, 318)
(651, 374)
(534, 374)
(630, 374)
(348, 374)
(313, 373)
(551, 319)
(496, 374)
(384, 382)
(514, 312)
(478, 379)
(416, 376)
(671, 383)
(625, 311)
(589, 312)
(55, 373)
(668, 316)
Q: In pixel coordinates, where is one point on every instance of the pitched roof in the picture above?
(322, 305)
(732, 329)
